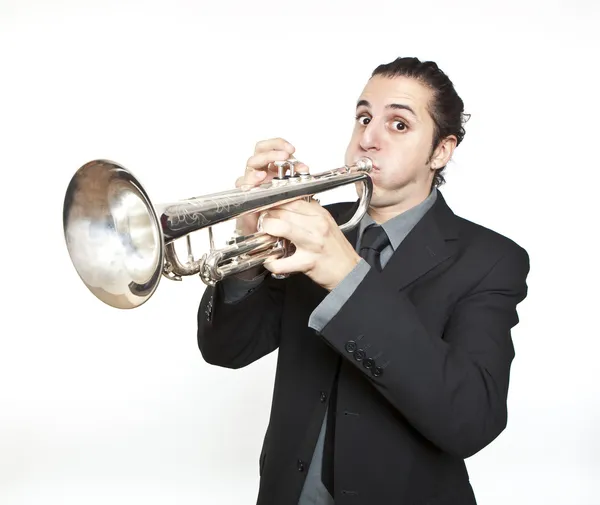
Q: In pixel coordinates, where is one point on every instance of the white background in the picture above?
(105, 406)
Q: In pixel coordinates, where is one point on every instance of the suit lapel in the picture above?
(431, 242)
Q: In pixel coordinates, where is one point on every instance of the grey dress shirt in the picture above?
(314, 492)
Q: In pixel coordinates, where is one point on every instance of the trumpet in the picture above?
(121, 244)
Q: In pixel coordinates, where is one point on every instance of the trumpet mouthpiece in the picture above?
(364, 164)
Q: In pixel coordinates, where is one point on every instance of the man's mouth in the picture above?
(374, 166)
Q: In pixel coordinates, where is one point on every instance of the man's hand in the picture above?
(322, 251)
(260, 169)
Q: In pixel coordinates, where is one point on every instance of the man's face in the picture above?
(394, 129)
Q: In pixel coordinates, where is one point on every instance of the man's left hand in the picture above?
(322, 251)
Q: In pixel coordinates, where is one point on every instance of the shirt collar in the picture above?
(400, 226)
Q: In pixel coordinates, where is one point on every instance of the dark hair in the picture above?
(446, 109)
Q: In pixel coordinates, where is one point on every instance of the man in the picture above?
(394, 340)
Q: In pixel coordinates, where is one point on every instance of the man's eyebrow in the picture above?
(400, 106)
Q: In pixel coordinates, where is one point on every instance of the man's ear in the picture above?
(443, 152)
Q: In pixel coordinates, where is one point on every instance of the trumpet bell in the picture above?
(113, 234)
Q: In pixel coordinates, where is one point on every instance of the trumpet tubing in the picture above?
(121, 244)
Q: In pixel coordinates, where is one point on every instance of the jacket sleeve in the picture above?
(452, 389)
(235, 333)
(236, 289)
(336, 298)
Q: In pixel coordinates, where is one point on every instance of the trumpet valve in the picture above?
(281, 168)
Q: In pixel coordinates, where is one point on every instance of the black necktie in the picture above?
(373, 241)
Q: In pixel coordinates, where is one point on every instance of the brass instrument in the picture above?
(120, 243)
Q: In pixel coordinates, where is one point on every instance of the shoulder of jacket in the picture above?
(480, 236)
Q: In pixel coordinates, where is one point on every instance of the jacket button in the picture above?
(360, 355)
(377, 371)
(300, 465)
(368, 363)
(351, 346)
(323, 396)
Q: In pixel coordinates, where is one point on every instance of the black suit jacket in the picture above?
(424, 349)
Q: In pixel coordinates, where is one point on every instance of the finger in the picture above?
(255, 176)
(301, 168)
(260, 161)
(277, 144)
(303, 207)
(260, 169)
(309, 222)
(251, 179)
(295, 233)
(315, 223)
(291, 264)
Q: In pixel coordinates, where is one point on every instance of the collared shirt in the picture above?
(397, 228)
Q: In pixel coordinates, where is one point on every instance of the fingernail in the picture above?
(259, 224)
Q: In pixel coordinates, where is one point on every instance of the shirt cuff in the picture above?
(236, 289)
(336, 298)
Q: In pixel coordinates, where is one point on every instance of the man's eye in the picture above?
(399, 125)
(364, 120)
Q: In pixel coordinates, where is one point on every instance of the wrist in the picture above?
(345, 270)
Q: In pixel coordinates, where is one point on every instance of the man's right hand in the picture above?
(260, 169)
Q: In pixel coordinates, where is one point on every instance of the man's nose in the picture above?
(370, 139)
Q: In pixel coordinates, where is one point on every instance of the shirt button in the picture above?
(300, 465)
